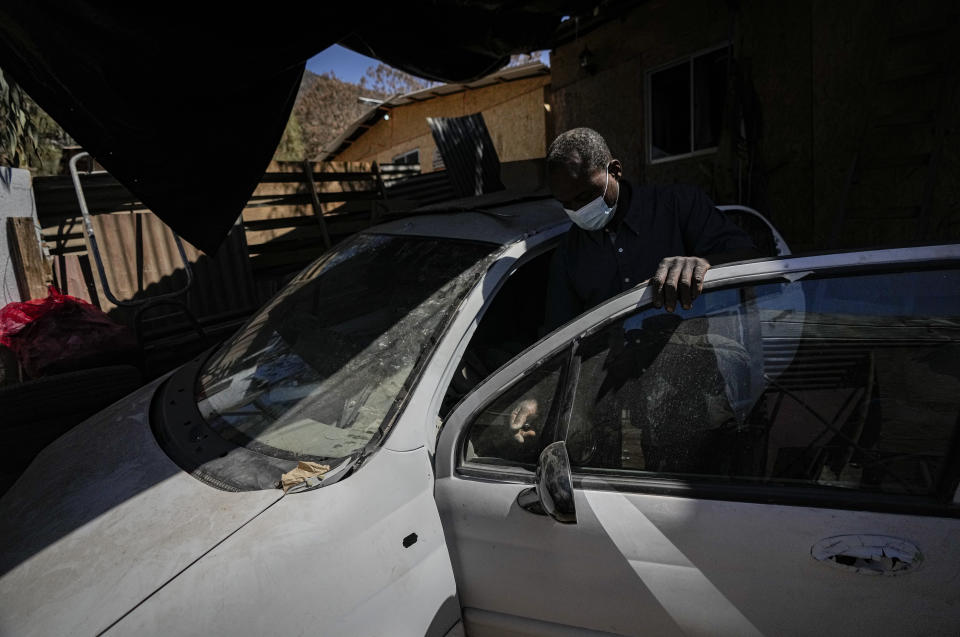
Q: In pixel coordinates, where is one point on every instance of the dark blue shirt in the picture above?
(590, 267)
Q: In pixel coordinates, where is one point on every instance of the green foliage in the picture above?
(390, 81)
(18, 133)
(325, 107)
(29, 138)
(292, 146)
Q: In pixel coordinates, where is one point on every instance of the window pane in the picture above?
(408, 158)
(847, 382)
(492, 439)
(709, 90)
(643, 377)
(670, 111)
(318, 370)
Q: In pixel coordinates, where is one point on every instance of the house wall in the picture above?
(513, 111)
(814, 79)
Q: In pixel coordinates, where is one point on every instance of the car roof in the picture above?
(501, 218)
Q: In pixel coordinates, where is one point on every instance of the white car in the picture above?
(780, 459)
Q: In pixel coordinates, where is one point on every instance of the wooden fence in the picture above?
(301, 207)
(298, 211)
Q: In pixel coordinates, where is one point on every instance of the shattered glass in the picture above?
(842, 382)
(328, 362)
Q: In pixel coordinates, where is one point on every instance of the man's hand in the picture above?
(525, 411)
(681, 276)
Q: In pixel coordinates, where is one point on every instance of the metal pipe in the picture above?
(94, 248)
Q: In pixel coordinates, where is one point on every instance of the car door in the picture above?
(780, 459)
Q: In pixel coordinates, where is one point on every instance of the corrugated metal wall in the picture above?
(279, 233)
(141, 261)
(468, 153)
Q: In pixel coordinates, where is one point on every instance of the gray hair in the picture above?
(580, 147)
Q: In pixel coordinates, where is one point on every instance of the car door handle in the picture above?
(868, 554)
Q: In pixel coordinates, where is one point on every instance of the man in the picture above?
(623, 235)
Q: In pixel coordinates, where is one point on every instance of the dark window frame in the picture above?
(403, 158)
(546, 248)
(648, 105)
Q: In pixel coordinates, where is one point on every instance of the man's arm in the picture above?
(562, 301)
(709, 238)
(708, 232)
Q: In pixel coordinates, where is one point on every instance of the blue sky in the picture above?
(350, 66)
(346, 64)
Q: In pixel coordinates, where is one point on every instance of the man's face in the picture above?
(575, 188)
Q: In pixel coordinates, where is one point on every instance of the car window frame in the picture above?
(557, 414)
(449, 452)
(474, 307)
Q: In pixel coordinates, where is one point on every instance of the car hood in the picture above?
(101, 520)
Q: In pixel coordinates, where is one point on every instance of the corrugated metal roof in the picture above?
(376, 113)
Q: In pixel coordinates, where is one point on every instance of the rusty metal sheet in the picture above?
(142, 261)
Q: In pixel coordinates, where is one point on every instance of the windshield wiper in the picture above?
(333, 476)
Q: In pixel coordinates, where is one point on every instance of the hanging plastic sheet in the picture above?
(186, 107)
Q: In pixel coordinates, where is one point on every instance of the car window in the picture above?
(318, 372)
(491, 438)
(849, 382)
(512, 322)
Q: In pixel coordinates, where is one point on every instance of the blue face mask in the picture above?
(596, 214)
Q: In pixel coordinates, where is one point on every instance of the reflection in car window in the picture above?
(512, 322)
(319, 369)
(848, 382)
(492, 440)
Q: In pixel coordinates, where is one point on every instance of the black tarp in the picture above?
(185, 106)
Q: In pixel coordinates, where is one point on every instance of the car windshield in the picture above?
(328, 362)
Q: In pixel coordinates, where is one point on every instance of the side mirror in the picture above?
(553, 493)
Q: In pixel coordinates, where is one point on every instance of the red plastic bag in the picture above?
(63, 333)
